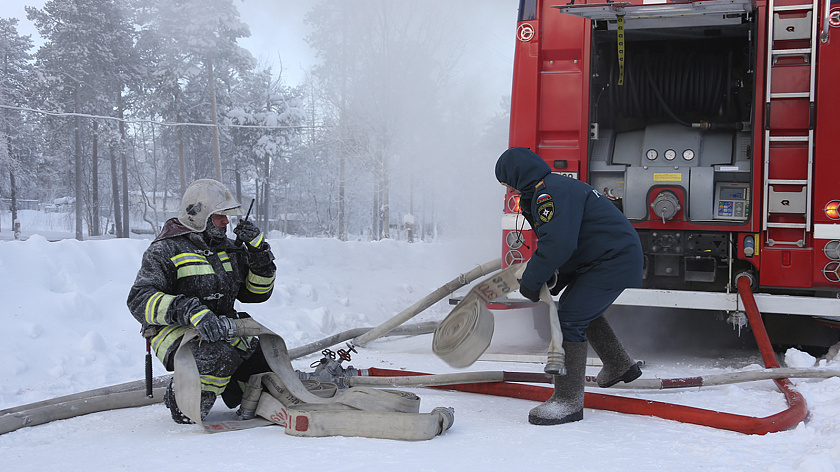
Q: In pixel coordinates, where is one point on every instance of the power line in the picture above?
(153, 122)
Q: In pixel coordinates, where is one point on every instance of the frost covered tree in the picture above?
(193, 44)
(267, 116)
(15, 64)
(87, 44)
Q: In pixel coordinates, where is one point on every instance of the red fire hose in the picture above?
(796, 412)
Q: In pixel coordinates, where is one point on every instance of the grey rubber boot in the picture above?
(618, 366)
(566, 404)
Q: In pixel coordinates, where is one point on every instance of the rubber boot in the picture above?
(618, 366)
(566, 404)
(169, 401)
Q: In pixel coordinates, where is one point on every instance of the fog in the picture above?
(424, 110)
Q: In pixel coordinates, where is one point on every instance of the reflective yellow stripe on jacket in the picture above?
(256, 241)
(223, 256)
(165, 338)
(189, 264)
(259, 284)
(156, 307)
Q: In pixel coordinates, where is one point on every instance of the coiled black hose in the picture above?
(672, 84)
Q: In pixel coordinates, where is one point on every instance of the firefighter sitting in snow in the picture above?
(594, 253)
(190, 276)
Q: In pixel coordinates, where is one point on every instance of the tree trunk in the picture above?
(124, 162)
(12, 192)
(386, 205)
(94, 191)
(181, 168)
(214, 120)
(115, 194)
(78, 165)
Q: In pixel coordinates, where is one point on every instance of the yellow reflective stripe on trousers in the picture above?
(165, 338)
(259, 284)
(212, 383)
(156, 307)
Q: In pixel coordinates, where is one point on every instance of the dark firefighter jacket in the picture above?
(580, 232)
(180, 275)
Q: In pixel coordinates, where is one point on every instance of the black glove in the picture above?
(554, 284)
(533, 295)
(248, 233)
(208, 326)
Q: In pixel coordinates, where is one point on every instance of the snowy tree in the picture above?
(269, 115)
(14, 62)
(86, 45)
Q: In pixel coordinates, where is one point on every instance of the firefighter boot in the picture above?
(618, 366)
(207, 401)
(178, 416)
(566, 404)
(169, 400)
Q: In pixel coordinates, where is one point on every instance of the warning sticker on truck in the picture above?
(667, 177)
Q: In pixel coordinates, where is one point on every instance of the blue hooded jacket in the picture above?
(580, 232)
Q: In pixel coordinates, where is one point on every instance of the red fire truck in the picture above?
(712, 125)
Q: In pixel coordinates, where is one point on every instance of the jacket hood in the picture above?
(521, 169)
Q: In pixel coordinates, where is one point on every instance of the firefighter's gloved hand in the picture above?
(533, 295)
(248, 233)
(208, 325)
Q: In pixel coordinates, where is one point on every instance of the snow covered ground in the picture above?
(65, 328)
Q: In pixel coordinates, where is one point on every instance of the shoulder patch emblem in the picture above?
(543, 198)
(546, 211)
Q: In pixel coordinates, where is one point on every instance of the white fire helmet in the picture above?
(203, 198)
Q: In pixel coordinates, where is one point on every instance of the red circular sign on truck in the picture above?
(834, 17)
(525, 32)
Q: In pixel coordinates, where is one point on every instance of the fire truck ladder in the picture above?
(789, 121)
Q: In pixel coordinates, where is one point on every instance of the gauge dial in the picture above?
(670, 154)
(651, 154)
(688, 154)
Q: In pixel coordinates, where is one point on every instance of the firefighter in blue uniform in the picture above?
(190, 276)
(593, 252)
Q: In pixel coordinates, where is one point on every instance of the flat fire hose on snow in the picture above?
(463, 336)
(286, 401)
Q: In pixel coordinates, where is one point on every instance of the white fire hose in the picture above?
(464, 335)
(359, 411)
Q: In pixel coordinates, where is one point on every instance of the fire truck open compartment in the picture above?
(671, 111)
(711, 124)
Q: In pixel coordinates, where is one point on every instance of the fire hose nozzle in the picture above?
(238, 328)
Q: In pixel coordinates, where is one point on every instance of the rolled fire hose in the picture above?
(466, 332)
(428, 300)
(360, 411)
